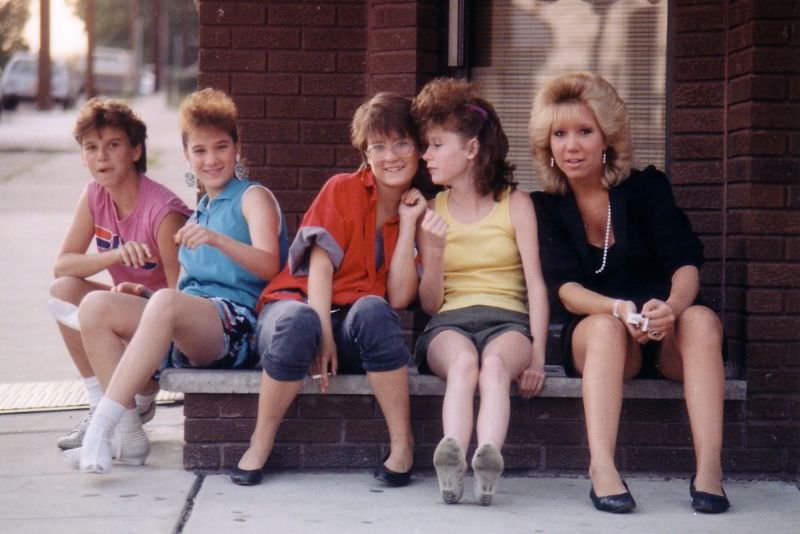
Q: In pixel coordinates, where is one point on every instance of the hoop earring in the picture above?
(552, 162)
(604, 157)
(190, 179)
(239, 170)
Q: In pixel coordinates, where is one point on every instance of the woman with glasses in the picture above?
(481, 281)
(331, 310)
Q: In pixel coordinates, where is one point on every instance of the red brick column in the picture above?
(296, 70)
(402, 45)
(764, 220)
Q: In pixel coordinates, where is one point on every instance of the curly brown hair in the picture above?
(456, 106)
(99, 113)
(208, 108)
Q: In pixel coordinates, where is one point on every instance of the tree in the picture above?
(112, 21)
(13, 16)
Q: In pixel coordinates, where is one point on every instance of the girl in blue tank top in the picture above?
(232, 245)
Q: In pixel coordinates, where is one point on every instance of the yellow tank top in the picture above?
(482, 265)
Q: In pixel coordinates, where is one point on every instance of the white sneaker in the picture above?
(75, 437)
(147, 411)
(130, 447)
(487, 463)
(450, 465)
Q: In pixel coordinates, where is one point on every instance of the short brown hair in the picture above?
(99, 113)
(208, 108)
(385, 113)
(609, 110)
(456, 106)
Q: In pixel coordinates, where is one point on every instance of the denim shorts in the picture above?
(238, 328)
(479, 324)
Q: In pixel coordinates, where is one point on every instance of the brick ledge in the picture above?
(247, 382)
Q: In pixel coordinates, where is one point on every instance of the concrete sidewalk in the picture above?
(42, 494)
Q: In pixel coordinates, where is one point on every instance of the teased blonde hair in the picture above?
(552, 104)
(208, 108)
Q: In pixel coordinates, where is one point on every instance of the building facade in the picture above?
(731, 146)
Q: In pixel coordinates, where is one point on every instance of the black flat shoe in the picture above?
(708, 503)
(392, 478)
(246, 477)
(621, 503)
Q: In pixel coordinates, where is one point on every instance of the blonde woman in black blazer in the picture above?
(623, 261)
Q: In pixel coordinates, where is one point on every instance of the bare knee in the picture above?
(163, 306)
(464, 369)
(699, 326)
(95, 308)
(68, 288)
(604, 332)
(493, 368)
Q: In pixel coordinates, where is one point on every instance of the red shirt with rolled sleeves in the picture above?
(341, 220)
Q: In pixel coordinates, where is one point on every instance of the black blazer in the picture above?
(653, 238)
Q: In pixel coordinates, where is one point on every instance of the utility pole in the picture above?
(157, 15)
(44, 97)
(136, 44)
(90, 91)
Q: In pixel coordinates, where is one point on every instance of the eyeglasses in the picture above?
(401, 149)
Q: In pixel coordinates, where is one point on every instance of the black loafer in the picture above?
(246, 477)
(621, 503)
(708, 503)
(392, 478)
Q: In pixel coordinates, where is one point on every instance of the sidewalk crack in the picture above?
(189, 504)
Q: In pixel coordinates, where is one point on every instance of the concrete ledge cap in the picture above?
(214, 381)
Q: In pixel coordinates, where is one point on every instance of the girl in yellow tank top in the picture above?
(481, 282)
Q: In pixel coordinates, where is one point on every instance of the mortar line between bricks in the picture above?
(188, 506)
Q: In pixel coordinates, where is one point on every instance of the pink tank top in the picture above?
(154, 202)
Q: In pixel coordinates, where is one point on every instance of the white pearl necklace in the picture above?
(605, 241)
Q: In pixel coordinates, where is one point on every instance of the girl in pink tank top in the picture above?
(132, 221)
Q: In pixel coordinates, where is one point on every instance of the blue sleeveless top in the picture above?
(205, 270)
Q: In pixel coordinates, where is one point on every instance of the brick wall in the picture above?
(763, 219)
(297, 70)
(732, 121)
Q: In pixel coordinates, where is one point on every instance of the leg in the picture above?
(454, 357)
(372, 330)
(288, 335)
(108, 322)
(693, 354)
(604, 355)
(503, 359)
(72, 289)
(192, 322)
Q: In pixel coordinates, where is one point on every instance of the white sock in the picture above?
(93, 390)
(96, 450)
(130, 421)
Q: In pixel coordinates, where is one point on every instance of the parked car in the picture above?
(114, 71)
(19, 81)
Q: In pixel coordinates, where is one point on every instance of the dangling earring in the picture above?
(190, 179)
(239, 170)
(604, 157)
(552, 162)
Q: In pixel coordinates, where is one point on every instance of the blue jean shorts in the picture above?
(238, 328)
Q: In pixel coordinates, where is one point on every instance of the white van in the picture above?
(19, 81)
